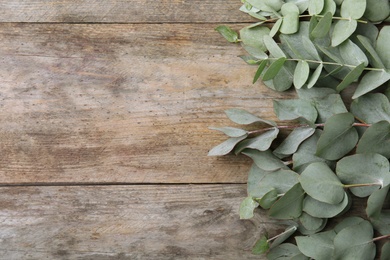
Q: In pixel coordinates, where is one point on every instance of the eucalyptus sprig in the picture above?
(332, 152)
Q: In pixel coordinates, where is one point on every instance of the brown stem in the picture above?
(380, 238)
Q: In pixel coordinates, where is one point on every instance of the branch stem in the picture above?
(281, 234)
(380, 238)
(361, 185)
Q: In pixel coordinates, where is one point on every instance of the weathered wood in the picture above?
(126, 222)
(120, 103)
(122, 11)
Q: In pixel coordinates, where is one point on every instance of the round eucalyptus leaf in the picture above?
(316, 6)
(347, 222)
(376, 139)
(309, 222)
(338, 137)
(295, 108)
(294, 139)
(288, 206)
(385, 252)
(353, 8)
(375, 202)
(377, 10)
(324, 210)
(301, 74)
(351, 54)
(229, 34)
(290, 14)
(247, 207)
(342, 31)
(371, 108)
(268, 199)
(371, 81)
(274, 69)
(302, 4)
(323, 26)
(315, 76)
(320, 183)
(265, 160)
(329, 7)
(355, 242)
(286, 251)
(351, 77)
(254, 37)
(383, 46)
(261, 142)
(273, 47)
(290, 230)
(371, 53)
(276, 27)
(369, 169)
(329, 106)
(261, 246)
(317, 246)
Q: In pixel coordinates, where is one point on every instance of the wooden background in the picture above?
(104, 115)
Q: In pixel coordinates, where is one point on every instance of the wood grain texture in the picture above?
(121, 103)
(126, 222)
(122, 11)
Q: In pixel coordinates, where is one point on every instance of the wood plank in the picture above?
(122, 11)
(126, 222)
(120, 103)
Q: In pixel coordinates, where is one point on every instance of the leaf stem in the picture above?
(309, 16)
(361, 185)
(281, 234)
(380, 238)
(259, 131)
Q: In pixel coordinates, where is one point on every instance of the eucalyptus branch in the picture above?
(380, 238)
(293, 228)
(272, 20)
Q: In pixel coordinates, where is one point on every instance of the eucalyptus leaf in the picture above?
(231, 131)
(286, 251)
(302, 4)
(273, 47)
(343, 29)
(314, 77)
(261, 142)
(353, 8)
(385, 252)
(371, 108)
(375, 202)
(226, 147)
(339, 137)
(265, 160)
(371, 81)
(317, 246)
(316, 6)
(284, 79)
(371, 53)
(323, 26)
(268, 199)
(368, 169)
(260, 70)
(290, 14)
(309, 222)
(376, 139)
(276, 27)
(351, 77)
(256, 53)
(274, 69)
(320, 183)
(329, 7)
(290, 230)
(294, 109)
(351, 54)
(305, 231)
(348, 222)
(261, 246)
(382, 223)
(355, 242)
(329, 106)
(243, 117)
(247, 207)
(260, 182)
(290, 205)
(377, 10)
(301, 74)
(291, 143)
(229, 34)
(315, 93)
(253, 37)
(325, 210)
(383, 46)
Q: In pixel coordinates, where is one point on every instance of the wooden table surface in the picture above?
(104, 115)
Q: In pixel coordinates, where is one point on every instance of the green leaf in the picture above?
(226, 147)
(373, 56)
(294, 109)
(302, 4)
(325, 210)
(376, 139)
(317, 246)
(330, 7)
(371, 108)
(261, 246)
(230, 131)
(301, 74)
(382, 223)
(383, 46)
(371, 81)
(348, 222)
(371, 169)
(291, 143)
(314, 93)
(285, 251)
(353, 8)
(377, 11)
(247, 207)
(351, 77)
(355, 242)
(261, 142)
(314, 77)
(375, 202)
(329, 106)
(290, 14)
(243, 117)
(385, 252)
(316, 6)
(265, 160)
(256, 53)
(260, 182)
(320, 183)
(284, 236)
(260, 70)
(310, 223)
(342, 31)
(290, 205)
(323, 26)
(274, 69)
(253, 37)
(227, 33)
(276, 27)
(339, 137)
(273, 47)
(351, 54)
(268, 199)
